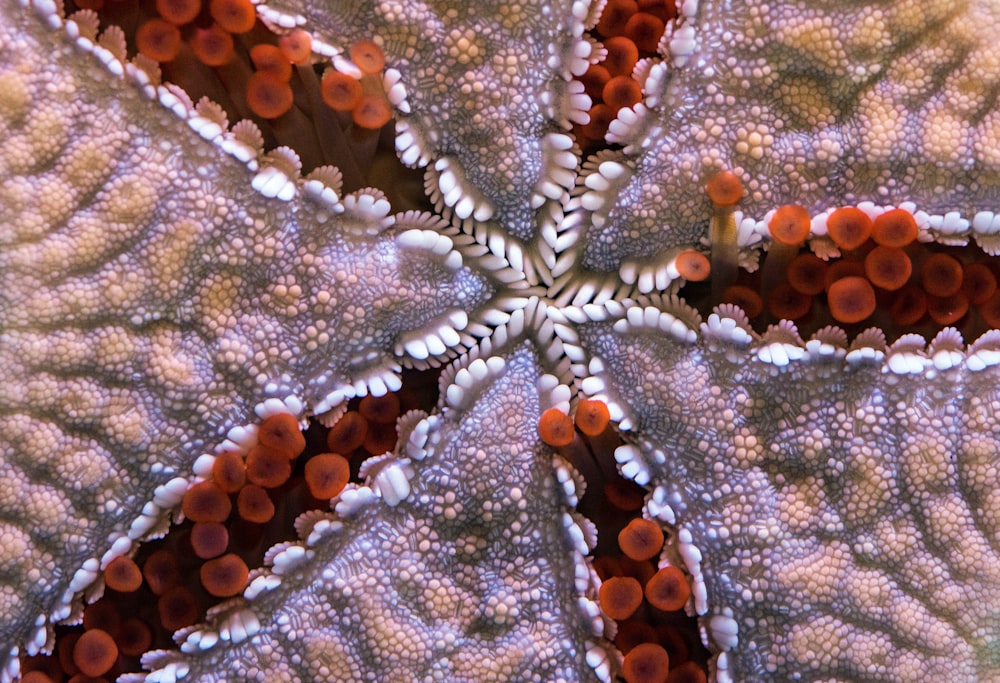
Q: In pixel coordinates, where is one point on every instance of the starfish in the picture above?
(834, 504)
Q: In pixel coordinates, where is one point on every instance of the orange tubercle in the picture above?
(348, 434)
(161, 571)
(556, 428)
(254, 505)
(271, 60)
(787, 303)
(122, 574)
(206, 502)
(224, 577)
(941, 275)
(646, 663)
(978, 283)
(693, 266)
(888, 267)
(620, 597)
(851, 299)
(615, 16)
(178, 12)
(177, 608)
(235, 16)
(592, 417)
(806, 273)
(341, 92)
(281, 432)
(744, 297)
(621, 91)
(267, 467)
(641, 539)
(895, 228)
(229, 471)
(849, 227)
(326, 475)
(209, 539)
(790, 225)
(382, 409)
(95, 652)
(296, 46)
(372, 112)
(947, 310)
(622, 56)
(367, 56)
(645, 30)
(668, 590)
(724, 189)
(159, 40)
(212, 46)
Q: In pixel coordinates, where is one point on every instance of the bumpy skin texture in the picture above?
(462, 581)
(151, 307)
(152, 299)
(888, 102)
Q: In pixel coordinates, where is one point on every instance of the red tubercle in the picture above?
(233, 16)
(556, 428)
(641, 539)
(178, 12)
(296, 46)
(615, 16)
(159, 40)
(646, 663)
(620, 597)
(212, 46)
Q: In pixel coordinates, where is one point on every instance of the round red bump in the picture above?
(668, 590)
(615, 15)
(229, 471)
(622, 56)
(177, 608)
(888, 267)
(693, 266)
(340, 91)
(593, 81)
(645, 30)
(632, 632)
(806, 273)
(281, 432)
(947, 310)
(556, 428)
(224, 577)
(209, 539)
(372, 112)
(326, 475)
(348, 434)
(267, 467)
(235, 16)
(297, 46)
(851, 299)
(908, 306)
(895, 228)
(381, 438)
(641, 539)
(35, 677)
(271, 60)
(790, 225)
(849, 227)
(135, 638)
(787, 303)
(642, 571)
(990, 310)
(688, 672)
(161, 571)
(95, 652)
(662, 9)
(620, 597)
(621, 91)
(206, 502)
(592, 417)
(104, 616)
(646, 663)
(268, 96)
(745, 298)
(64, 651)
(941, 275)
(724, 188)
(838, 270)
(212, 46)
(367, 56)
(624, 495)
(178, 12)
(254, 505)
(122, 574)
(380, 408)
(978, 283)
(601, 116)
(158, 40)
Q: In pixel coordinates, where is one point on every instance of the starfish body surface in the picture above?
(836, 505)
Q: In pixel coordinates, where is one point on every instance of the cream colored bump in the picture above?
(215, 302)
(753, 140)
(88, 161)
(818, 38)
(84, 467)
(945, 136)
(869, 34)
(963, 90)
(168, 255)
(39, 142)
(882, 124)
(48, 509)
(330, 657)
(806, 100)
(818, 574)
(113, 347)
(16, 553)
(13, 484)
(117, 289)
(465, 47)
(131, 199)
(126, 421)
(15, 96)
(167, 363)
